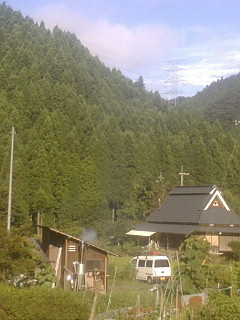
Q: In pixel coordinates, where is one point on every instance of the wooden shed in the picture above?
(77, 264)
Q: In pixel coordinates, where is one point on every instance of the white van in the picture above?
(152, 268)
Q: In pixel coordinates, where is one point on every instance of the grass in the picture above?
(123, 290)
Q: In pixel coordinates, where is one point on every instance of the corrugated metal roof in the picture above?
(166, 228)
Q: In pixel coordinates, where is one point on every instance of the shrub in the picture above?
(235, 246)
(17, 259)
(41, 303)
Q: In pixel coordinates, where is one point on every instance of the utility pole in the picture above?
(10, 184)
(159, 180)
(183, 174)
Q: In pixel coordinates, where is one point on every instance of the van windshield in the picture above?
(161, 263)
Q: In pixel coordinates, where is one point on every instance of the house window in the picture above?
(215, 203)
(214, 249)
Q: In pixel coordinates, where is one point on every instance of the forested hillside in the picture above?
(220, 100)
(88, 140)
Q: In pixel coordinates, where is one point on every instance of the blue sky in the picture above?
(178, 46)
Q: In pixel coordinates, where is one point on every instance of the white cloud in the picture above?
(144, 49)
(115, 44)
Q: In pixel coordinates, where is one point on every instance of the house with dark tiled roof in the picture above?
(198, 210)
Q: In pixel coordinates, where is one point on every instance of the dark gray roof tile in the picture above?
(180, 209)
(166, 228)
(192, 190)
(219, 216)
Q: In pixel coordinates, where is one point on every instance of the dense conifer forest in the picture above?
(89, 140)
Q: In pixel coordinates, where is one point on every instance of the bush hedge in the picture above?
(41, 304)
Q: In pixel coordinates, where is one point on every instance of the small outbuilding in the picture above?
(77, 264)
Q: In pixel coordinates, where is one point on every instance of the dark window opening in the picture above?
(141, 263)
(92, 265)
(149, 264)
(161, 263)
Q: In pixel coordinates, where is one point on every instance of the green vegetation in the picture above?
(41, 303)
(193, 267)
(16, 258)
(89, 147)
(90, 142)
(220, 307)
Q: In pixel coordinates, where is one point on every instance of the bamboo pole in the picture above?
(110, 295)
(161, 302)
(93, 307)
(177, 303)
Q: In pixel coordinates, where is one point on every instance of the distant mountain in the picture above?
(220, 100)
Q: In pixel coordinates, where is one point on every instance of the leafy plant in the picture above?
(193, 268)
(46, 277)
(17, 258)
(41, 303)
(235, 246)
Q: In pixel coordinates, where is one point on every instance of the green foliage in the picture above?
(235, 246)
(193, 269)
(41, 303)
(220, 307)
(122, 267)
(113, 233)
(46, 277)
(17, 259)
(89, 140)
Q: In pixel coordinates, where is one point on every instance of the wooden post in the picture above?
(161, 302)
(157, 299)
(138, 307)
(65, 261)
(192, 314)
(176, 303)
(105, 275)
(38, 223)
(10, 185)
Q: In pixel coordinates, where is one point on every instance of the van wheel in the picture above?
(149, 280)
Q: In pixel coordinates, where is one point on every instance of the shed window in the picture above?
(92, 265)
(141, 263)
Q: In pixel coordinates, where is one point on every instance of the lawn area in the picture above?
(123, 289)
